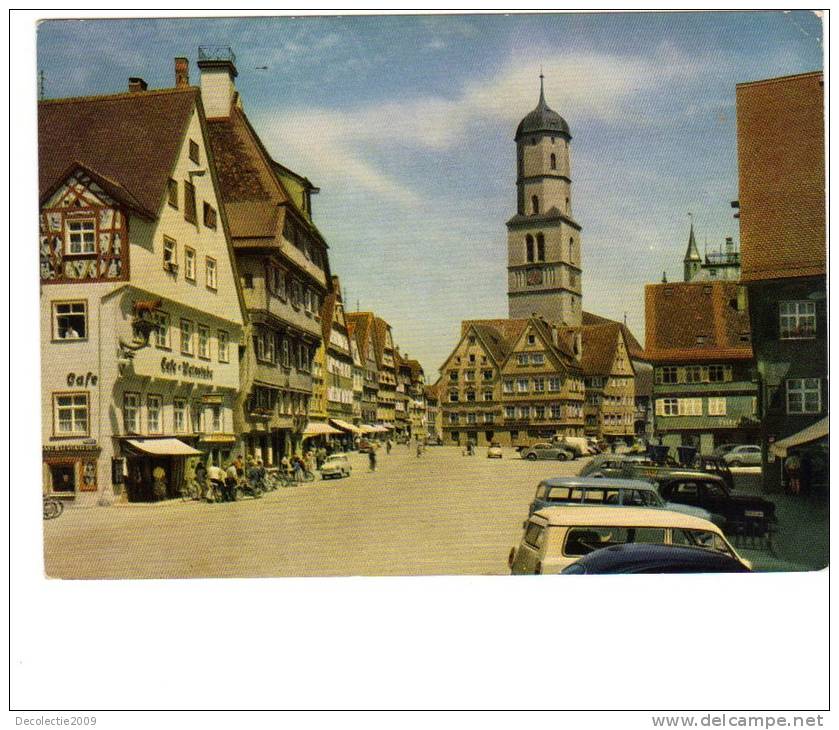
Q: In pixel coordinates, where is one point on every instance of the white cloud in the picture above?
(584, 86)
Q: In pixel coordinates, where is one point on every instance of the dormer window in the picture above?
(553, 161)
(535, 203)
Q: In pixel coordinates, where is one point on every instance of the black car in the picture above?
(743, 513)
(641, 558)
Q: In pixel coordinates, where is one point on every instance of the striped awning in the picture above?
(344, 426)
(315, 428)
(163, 447)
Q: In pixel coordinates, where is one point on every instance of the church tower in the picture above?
(692, 260)
(543, 239)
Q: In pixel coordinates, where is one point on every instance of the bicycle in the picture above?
(52, 508)
(190, 490)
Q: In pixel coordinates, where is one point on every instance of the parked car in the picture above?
(494, 451)
(640, 558)
(576, 444)
(746, 513)
(555, 537)
(655, 472)
(335, 466)
(608, 491)
(612, 464)
(747, 455)
(723, 449)
(546, 451)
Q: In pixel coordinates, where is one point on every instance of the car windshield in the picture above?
(704, 539)
(583, 540)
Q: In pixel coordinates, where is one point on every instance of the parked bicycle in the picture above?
(52, 507)
(246, 488)
(190, 490)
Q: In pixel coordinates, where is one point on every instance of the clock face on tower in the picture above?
(534, 277)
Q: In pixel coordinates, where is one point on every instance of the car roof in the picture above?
(613, 516)
(671, 472)
(634, 554)
(596, 483)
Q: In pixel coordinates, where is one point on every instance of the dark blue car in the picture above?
(641, 558)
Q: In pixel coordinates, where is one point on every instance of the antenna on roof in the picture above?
(41, 85)
(624, 319)
(357, 305)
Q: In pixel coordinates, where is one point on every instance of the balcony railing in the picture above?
(216, 53)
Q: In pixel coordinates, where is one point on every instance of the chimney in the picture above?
(181, 72)
(135, 84)
(218, 71)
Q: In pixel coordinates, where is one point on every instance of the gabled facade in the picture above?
(434, 413)
(469, 389)
(142, 315)
(513, 381)
(283, 264)
(784, 263)
(386, 365)
(699, 343)
(339, 359)
(609, 409)
(361, 324)
(542, 384)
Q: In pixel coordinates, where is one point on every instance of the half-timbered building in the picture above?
(141, 311)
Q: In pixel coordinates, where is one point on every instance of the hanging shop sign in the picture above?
(186, 369)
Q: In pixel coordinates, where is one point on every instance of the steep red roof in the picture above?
(362, 325)
(600, 343)
(696, 321)
(636, 352)
(130, 139)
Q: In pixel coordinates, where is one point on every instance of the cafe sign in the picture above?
(81, 380)
(186, 369)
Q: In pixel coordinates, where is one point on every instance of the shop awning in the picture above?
(367, 428)
(813, 432)
(388, 426)
(344, 426)
(381, 429)
(163, 447)
(319, 429)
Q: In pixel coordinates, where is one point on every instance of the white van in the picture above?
(555, 537)
(579, 444)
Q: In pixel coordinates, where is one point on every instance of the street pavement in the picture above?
(440, 514)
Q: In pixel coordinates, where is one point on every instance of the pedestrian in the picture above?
(310, 461)
(231, 478)
(388, 445)
(215, 493)
(299, 467)
(285, 465)
(201, 480)
(792, 465)
(321, 457)
(419, 448)
(239, 464)
(372, 456)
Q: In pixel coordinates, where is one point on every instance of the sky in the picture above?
(406, 125)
